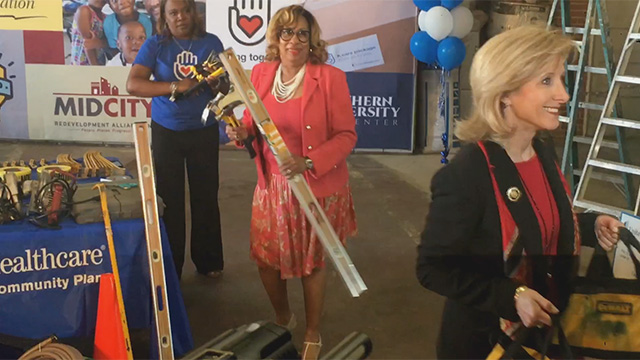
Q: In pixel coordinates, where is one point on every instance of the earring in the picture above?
(310, 50)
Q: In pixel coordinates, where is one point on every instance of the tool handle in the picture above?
(248, 144)
(197, 87)
(56, 202)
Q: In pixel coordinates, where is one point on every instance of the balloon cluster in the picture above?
(442, 24)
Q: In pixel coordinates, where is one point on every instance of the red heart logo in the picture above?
(185, 70)
(249, 25)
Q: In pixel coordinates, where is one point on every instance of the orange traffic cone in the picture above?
(109, 342)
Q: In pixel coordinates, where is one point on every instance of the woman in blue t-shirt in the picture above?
(178, 134)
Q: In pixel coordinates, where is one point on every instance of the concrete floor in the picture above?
(391, 194)
(391, 199)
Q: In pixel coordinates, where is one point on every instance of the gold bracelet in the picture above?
(519, 290)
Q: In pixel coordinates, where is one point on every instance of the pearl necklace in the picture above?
(284, 91)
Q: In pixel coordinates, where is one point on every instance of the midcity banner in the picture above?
(79, 104)
(53, 87)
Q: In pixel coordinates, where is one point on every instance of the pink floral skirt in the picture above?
(281, 236)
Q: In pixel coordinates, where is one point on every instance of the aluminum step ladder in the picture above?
(609, 118)
(596, 13)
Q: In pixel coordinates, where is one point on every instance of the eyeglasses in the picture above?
(303, 35)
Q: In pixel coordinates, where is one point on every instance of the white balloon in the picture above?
(462, 21)
(422, 20)
(438, 22)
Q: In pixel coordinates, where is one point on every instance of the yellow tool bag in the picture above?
(602, 319)
(532, 343)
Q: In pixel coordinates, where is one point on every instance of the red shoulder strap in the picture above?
(507, 224)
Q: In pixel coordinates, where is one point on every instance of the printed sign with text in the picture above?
(356, 54)
(31, 15)
(79, 104)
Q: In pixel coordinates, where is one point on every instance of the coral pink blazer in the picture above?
(328, 129)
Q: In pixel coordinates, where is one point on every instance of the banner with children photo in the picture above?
(107, 32)
(73, 79)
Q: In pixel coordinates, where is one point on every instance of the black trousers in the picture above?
(199, 148)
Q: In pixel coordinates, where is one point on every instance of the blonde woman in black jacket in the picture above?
(501, 240)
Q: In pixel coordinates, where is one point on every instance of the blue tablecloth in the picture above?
(49, 280)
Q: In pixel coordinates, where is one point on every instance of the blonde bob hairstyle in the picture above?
(288, 17)
(502, 65)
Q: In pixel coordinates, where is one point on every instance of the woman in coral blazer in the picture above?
(310, 105)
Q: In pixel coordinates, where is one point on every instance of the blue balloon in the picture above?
(451, 53)
(424, 47)
(450, 4)
(426, 4)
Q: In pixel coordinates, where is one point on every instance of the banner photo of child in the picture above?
(131, 36)
(153, 10)
(123, 11)
(93, 29)
(87, 34)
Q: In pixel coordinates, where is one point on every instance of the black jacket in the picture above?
(461, 257)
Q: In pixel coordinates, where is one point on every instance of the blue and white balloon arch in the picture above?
(443, 24)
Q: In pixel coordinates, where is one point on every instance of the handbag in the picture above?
(601, 319)
(507, 348)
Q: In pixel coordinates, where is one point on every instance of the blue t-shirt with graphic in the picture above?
(170, 60)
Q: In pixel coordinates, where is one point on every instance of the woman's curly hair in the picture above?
(287, 17)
